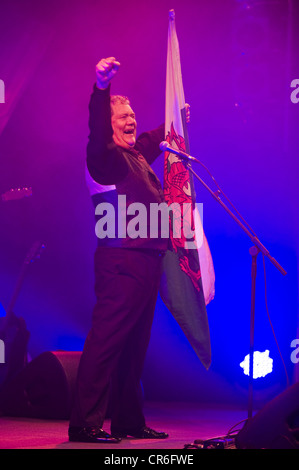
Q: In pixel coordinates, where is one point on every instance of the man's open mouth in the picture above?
(129, 132)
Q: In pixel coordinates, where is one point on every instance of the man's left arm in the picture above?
(148, 143)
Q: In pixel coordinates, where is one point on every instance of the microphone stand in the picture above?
(254, 251)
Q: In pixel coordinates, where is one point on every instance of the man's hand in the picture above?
(105, 71)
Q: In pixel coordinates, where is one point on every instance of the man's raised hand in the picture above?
(105, 71)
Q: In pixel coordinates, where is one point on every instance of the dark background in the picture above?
(238, 60)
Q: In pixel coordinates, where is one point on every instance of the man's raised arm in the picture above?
(105, 162)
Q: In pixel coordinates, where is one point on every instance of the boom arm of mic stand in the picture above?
(253, 238)
(254, 251)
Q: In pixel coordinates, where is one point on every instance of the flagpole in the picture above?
(187, 283)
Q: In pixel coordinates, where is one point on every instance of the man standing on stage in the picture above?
(127, 271)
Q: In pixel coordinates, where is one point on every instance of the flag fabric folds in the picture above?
(188, 279)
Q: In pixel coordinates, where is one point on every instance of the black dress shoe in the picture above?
(91, 434)
(144, 433)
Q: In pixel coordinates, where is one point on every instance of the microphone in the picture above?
(165, 147)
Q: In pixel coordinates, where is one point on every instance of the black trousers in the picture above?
(126, 287)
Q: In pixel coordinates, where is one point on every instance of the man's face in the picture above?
(124, 125)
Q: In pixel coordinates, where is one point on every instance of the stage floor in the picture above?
(184, 422)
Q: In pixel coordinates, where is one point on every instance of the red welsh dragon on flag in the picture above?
(188, 279)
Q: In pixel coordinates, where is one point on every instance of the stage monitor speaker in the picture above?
(44, 388)
(275, 426)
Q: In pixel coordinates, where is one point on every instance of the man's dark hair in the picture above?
(114, 99)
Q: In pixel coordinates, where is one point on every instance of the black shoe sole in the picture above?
(112, 440)
(132, 436)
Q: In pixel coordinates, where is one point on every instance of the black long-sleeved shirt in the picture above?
(117, 174)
